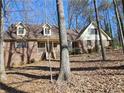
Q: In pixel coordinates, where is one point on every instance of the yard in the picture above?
(89, 75)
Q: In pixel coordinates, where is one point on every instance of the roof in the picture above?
(35, 32)
(92, 23)
(82, 30)
(71, 35)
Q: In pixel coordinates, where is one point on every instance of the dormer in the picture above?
(46, 30)
(20, 28)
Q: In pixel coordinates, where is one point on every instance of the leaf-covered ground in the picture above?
(89, 75)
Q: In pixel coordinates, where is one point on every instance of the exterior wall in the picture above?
(90, 35)
(85, 46)
(17, 56)
(57, 51)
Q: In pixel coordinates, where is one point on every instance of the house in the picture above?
(25, 43)
(71, 36)
(88, 38)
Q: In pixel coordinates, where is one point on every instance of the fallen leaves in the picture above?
(89, 75)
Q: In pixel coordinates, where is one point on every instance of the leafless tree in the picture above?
(100, 37)
(2, 67)
(77, 10)
(119, 23)
(64, 53)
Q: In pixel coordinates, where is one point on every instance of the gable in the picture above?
(46, 30)
(90, 33)
(20, 29)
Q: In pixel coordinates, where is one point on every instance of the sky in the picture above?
(34, 11)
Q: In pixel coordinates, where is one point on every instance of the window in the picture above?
(89, 43)
(69, 44)
(55, 44)
(41, 45)
(21, 31)
(47, 31)
(92, 31)
(20, 45)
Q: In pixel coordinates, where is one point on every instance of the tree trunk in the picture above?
(123, 5)
(97, 20)
(119, 23)
(111, 33)
(76, 20)
(2, 68)
(110, 29)
(96, 42)
(10, 55)
(64, 54)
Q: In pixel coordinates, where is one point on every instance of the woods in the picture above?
(2, 68)
(119, 23)
(77, 44)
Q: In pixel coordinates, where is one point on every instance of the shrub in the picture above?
(74, 51)
(32, 60)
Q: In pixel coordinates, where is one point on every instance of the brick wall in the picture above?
(16, 56)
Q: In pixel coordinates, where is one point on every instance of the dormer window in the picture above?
(46, 30)
(21, 30)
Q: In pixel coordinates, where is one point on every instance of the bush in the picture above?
(32, 60)
(74, 51)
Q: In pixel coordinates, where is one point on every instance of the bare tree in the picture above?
(2, 68)
(100, 37)
(104, 8)
(77, 10)
(64, 53)
(119, 23)
(123, 5)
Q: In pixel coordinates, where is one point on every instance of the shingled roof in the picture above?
(35, 32)
(71, 35)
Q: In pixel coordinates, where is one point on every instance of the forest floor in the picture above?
(89, 75)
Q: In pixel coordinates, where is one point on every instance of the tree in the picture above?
(97, 20)
(104, 8)
(64, 53)
(2, 68)
(119, 23)
(120, 12)
(123, 5)
(77, 10)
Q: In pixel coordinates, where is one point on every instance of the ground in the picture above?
(89, 75)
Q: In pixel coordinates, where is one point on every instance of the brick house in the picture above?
(25, 43)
